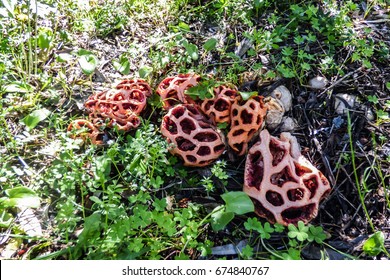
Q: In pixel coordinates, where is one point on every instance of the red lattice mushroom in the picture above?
(246, 119)
(172, 89)
(85, 130)
(285, 187)
(194, 139)
(119, 107)
(136, 84)
(219, 107)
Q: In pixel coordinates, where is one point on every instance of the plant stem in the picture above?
(361, 195)
(358, 187)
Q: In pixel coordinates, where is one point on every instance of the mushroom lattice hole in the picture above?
(255, 169)
(206, 137)
(294, 214)
(274, 198)
(312, 185)
(295, 194)
(246, 117)
(178, 112)
(277, 151)
(184, 144)
(300, 170)
(170, 125)
(203, 151)
(282, 177)
(187, 126)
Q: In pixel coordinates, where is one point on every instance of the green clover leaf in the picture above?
(316, 234)
(299, 232)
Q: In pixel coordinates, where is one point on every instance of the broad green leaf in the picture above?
(92, 229)
(96, 200)
(184, 26)
(88, 63)
(247, 95)
(145, 71)
(21, 197)
(238, 202)
(220, 218)
(18, 87)
(257, 3)
(44, 41)
(5, 218)
(81, 52)
(374, 244)
(122, 65)
(192, 50)
(35, 117)
(64, 57)
(19, 192)
(102, 168)
(210, 44)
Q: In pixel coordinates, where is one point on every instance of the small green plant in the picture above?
(122, 65)
(236, 203)
(375, 244)
(299, 236)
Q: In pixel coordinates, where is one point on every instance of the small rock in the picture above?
(275, 112)
(318, 82)
(243, 47)
(343, 102)
(284, 96)
(368, 113)
(288, 124)
(264, 60)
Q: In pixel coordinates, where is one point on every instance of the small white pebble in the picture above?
(343, 102)
(318, 82)
(288, 124)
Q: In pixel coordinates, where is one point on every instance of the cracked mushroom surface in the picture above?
(246, 119)
(85, 130)
(284, 186)
(193, 137)
(219, 107)
(172, 89)
(119, 107)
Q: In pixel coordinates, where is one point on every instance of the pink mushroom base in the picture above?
(284, 186)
